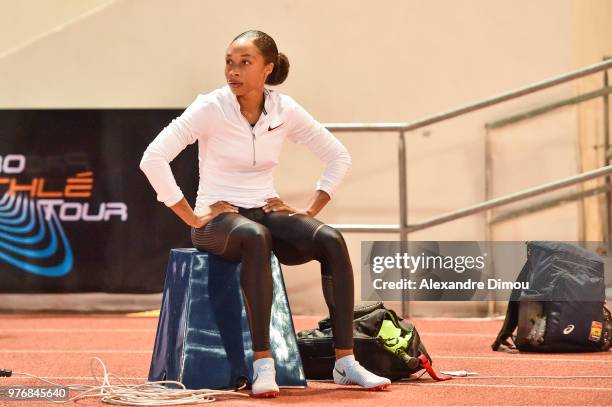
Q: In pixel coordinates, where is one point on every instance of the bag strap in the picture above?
(425, 364)
(511, 320)
(362, 308)
(507, 329)
(359, 310)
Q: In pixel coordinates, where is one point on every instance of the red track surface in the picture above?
(59, 347)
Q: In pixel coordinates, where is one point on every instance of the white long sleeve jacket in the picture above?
(236, 160)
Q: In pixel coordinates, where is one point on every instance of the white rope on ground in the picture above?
(147, 394)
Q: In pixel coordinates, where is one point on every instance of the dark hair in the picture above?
(267, 47)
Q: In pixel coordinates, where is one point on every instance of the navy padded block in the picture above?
(203, 338)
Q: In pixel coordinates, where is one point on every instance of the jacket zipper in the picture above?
(253, 134)
(252, 130)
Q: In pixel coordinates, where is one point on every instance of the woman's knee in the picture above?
(254, 234)
(330, 240)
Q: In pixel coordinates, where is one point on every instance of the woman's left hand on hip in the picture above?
(276, 204)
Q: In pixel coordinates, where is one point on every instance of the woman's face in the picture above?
(245, 68)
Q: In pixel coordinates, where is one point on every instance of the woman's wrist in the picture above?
(310, 212)
(184, 212)
(196, 220)
(317, 202)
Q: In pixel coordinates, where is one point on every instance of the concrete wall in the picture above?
(351, 61)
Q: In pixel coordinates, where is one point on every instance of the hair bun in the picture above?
(280, 71)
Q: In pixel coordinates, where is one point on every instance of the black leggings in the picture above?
(249, 235)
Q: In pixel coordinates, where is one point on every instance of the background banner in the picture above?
(76, 212)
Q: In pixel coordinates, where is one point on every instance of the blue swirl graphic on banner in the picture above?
(19, 216)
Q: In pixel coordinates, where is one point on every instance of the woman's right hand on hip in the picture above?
(214, 210)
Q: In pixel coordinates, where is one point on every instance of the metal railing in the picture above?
(606, 189)
(403, 228)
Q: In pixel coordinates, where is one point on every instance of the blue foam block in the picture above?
(203, 338)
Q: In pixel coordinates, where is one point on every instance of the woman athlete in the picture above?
(238, 215)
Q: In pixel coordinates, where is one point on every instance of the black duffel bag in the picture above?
(564, 308)
(316, 346)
